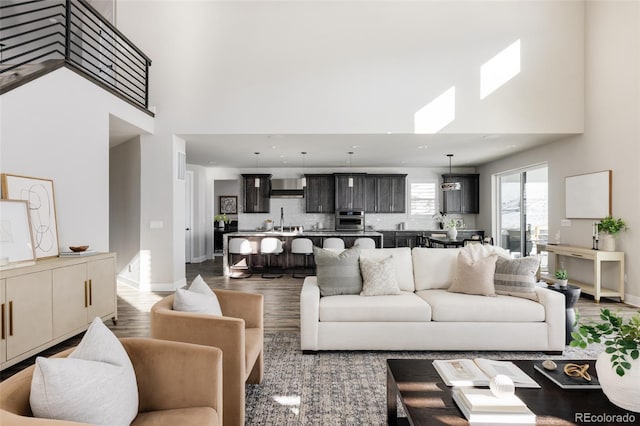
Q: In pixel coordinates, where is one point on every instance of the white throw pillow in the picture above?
(379, 277)
(199, 298)
(95, 384)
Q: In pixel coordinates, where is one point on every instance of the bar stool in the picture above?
(242, 247)
(270, 246)
(302, 246)
(365, 243)
(336, 244)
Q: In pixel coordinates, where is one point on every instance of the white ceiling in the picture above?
(407, 150)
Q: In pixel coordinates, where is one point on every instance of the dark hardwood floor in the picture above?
(281, 310)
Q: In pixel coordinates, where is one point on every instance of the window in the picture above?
(423, 198)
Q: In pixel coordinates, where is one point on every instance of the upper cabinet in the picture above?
(319, 194)
(350, 197)
(386, 193)
(467, 199)
(256, 198)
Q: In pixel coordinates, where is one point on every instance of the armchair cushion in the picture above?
(198, 298)
(95, 384)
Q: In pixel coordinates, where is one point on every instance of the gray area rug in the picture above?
(340, 388)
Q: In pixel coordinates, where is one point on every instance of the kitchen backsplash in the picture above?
(295, 215)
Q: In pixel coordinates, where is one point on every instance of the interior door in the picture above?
(188, 216)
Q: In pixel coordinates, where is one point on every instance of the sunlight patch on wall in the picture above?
(437, 114)
(500, 69)
(291, 402)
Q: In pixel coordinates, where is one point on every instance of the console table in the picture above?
(597, 257)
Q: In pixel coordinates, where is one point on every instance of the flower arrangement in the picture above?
(221, 217)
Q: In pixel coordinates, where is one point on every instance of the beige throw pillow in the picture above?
(474, 277)
(379, 277)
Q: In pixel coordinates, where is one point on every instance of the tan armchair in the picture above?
(178, 383)
(239, 333)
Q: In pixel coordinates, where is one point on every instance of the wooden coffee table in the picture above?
(427, 400)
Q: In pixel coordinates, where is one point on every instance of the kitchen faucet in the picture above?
(281, 219)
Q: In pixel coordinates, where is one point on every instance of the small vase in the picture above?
(221, 224)
(452, 233)
(608, 242)
(563, 283)
(622, 391)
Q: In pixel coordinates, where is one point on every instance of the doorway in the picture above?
(523, 210)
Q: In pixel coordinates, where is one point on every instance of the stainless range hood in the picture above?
(286, 188)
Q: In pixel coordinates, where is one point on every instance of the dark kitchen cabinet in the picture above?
(386, 193)
(350, 198)
(467, 199)
(319, 194)
(256, 199)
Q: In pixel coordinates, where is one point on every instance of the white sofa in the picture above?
(428, 317)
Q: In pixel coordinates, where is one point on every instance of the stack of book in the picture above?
(77, 253)
(481, 406)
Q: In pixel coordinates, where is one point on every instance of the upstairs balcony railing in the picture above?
(35, 33)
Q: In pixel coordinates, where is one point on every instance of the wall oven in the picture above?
(350, 220)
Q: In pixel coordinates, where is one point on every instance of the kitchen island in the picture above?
(287, 260)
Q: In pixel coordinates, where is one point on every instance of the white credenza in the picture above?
(46, 303)
(597, 257)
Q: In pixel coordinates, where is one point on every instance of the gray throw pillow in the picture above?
(338, 273)
(517, 277)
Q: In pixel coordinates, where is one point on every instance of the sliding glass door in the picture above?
(523, 210)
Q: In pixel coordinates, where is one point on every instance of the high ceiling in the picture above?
(392, 150)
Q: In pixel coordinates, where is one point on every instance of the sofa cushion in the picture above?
(401, 259)
(434, 267)
(458, 307)
(205, 416)
(338, 273)
(517, 277)
(474, 277)
(199, 298)
(95, 384)
(405, 307)
(378, 277)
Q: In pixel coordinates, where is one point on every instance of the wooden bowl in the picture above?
(78, 249)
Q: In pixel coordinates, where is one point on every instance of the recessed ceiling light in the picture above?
(282, 155)
(274, 146)
(355, 146)
(423, 146)
(511, 146)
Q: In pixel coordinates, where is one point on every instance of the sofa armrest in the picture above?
(176, 375)
(248, 306)
(554, 316)
(309, 314)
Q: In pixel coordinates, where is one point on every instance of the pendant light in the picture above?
(450, 186)
(303, 181)
(256, 181)
(350, 180)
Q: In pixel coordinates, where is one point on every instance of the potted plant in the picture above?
(611, 227)
(221, 219)
(618, 367)
(562, 276)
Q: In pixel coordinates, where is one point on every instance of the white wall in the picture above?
(57, 127)
(357, 67)
(124, 208)
(610, 140)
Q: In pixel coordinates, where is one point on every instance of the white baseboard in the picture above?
(198, 259)
(632, 300)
